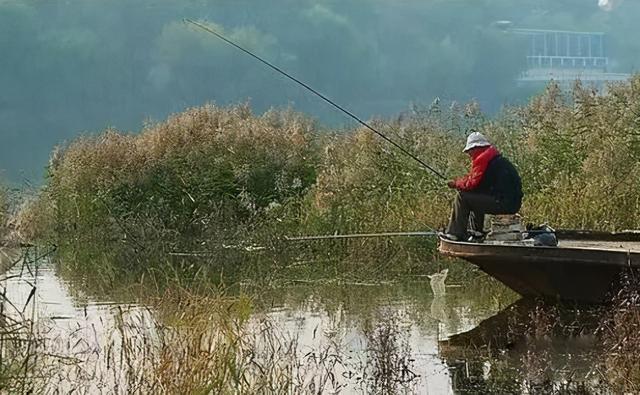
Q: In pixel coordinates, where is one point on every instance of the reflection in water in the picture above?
(437, 282)
(529, 346)
(342, 338)
(67, 342)
(386, 334)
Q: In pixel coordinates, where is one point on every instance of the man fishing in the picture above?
(492, 186)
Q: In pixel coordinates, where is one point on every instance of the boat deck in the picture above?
(625, 246)
(633, 246)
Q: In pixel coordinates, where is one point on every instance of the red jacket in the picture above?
(479, 163)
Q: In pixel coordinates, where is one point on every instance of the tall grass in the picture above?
(578, 154)
(187, 343)
(203, 197)
(21, 367)
(206, 169)
(621, 335)
(215, 177)
(579, 157)
(204, 180)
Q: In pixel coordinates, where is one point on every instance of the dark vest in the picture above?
(501, 180)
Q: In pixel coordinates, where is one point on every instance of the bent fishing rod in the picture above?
(315, 92)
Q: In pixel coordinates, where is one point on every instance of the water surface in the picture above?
(396, 337)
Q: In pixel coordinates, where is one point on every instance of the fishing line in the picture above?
(320, 95)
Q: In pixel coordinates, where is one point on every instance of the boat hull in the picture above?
(572, 274)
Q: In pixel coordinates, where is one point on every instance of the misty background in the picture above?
(69, 67)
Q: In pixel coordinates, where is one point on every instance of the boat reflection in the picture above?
(529, 347)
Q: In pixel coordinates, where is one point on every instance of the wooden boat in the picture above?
(584, 267)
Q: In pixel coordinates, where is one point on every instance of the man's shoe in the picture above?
(476, 236)
(450, 236)
(475, 233)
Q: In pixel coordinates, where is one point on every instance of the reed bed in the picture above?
(212, 177)
(200, 201)
(21, 363)
(206, 169)
(620, 330)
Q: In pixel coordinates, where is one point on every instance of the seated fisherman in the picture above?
(492, 186)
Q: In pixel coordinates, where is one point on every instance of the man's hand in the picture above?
(451, 184)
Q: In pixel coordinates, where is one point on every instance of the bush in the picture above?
(232, 177)
(579, 157)
(202, 170)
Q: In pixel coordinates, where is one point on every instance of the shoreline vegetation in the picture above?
(215, 180)
(189, 211)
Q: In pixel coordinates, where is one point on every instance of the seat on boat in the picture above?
(507, 227)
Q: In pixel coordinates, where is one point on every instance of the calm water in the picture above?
(471, 339)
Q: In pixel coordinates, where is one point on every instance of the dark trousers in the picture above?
(469, 208)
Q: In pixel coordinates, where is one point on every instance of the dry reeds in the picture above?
(186, 343)
(221, 176)
(204, 174)
(578, 155)
(620, 332)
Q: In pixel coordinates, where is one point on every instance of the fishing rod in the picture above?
(320, 95)
(360, 236)
(253, 248)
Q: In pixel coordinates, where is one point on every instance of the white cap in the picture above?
(476, 139)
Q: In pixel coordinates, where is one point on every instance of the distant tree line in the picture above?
(72, 66)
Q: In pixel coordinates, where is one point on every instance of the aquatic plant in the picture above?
(620, 333)
(21, 368)
(205, 174)
(390, 366)
(366, 185)
(579, 157)
(216, 343)
(221, 181)
(199, 203)
(577, 152)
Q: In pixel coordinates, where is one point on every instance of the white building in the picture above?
(565, 56)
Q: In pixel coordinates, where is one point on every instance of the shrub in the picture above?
(202, 169)
(229, 176)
